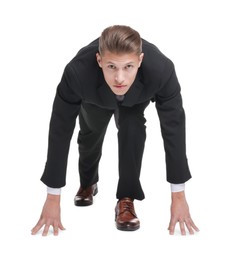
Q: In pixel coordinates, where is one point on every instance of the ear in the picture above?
(141, 58)
(99, 59)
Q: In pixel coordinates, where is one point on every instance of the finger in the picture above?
(194, 226)
(46, 229)
(55, 230)
(191, 232)
(37, 227)
(61, 226)
(188, 224)
(171, 227)
(182, 228)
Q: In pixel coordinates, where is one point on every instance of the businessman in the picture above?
(117, 74)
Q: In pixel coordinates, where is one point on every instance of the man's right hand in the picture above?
(50, 216)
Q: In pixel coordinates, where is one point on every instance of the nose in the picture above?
(119, 77)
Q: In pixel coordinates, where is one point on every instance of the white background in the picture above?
(38, 38)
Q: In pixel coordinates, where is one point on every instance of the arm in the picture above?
(65, 110)
(172, 120)
(64, 113)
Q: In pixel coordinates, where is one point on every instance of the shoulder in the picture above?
(155, 68)
(88, 51)
(85, 57)
(154, 59)
(155, 65)
(84, 62)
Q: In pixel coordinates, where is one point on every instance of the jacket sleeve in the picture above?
(65, 109)
(172, 120)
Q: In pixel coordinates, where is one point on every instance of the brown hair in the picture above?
(120, 39)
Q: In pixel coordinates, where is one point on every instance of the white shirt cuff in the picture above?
(54, 191)
(177, 187)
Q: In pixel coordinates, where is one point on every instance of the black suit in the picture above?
(83, 91)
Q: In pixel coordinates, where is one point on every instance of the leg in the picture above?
(131, 138)
(93, 124)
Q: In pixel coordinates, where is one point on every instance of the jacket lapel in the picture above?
(106, 96)
(133, 94)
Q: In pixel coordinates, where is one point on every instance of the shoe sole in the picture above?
(127, 228)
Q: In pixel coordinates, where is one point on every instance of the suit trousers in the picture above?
(130, 122)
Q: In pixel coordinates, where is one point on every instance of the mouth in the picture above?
(120, 86)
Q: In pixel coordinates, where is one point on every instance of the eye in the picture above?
(111, 66)
(129, 66)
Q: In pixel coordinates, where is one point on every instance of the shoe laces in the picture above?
(128, 207)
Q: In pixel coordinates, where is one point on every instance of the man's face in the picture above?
(119, 70)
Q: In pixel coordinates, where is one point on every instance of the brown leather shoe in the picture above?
(84, 197)
(125, 217)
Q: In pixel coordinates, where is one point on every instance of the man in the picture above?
(119, 74)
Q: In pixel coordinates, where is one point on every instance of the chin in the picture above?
(120, 91)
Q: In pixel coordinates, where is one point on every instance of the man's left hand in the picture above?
(180, 213)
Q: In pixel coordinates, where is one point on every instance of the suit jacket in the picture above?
(83, 81)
